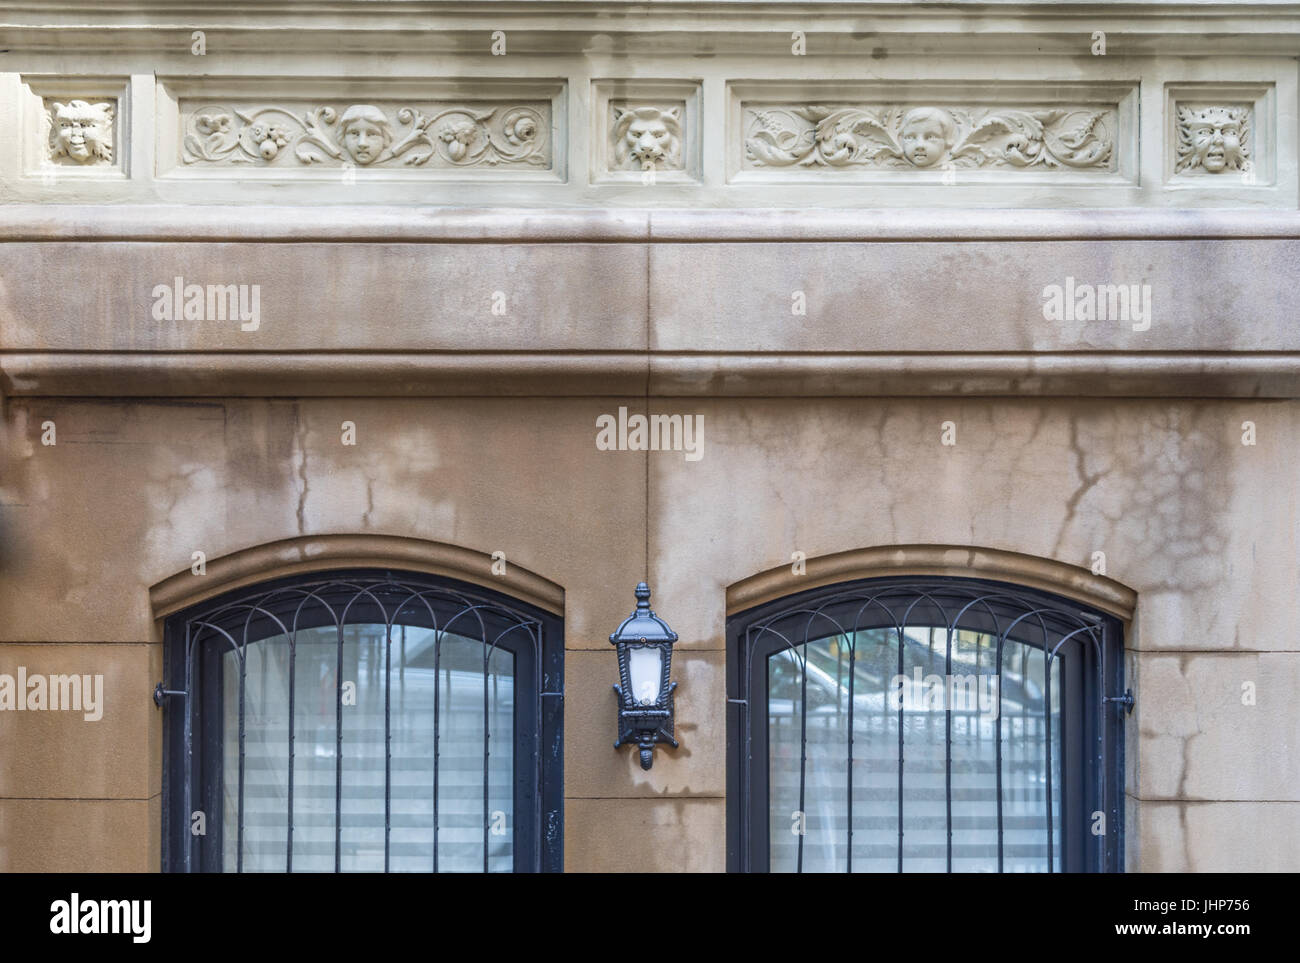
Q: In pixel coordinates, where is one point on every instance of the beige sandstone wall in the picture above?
(1199, 525)
(666, 282)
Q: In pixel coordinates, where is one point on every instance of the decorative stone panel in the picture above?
(449, 130)
(645, 132)
(701, 115)
(74, 127)
(1005, 133)
(1220, 135)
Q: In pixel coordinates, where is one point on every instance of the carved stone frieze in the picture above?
(81, 132)
(912, 137)
(1212, 139)
(369, 135)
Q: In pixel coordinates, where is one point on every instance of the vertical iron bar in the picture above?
(998, 748)
(979, 729)
(388, 740)
(1047, 719)
(901, 702)
(338, 756)
(947, 737)
(539, 746)
(1023, 745)
(746, 667)
(189, 755)
(487, 653)
(803, 756)
(496, 718)
(437, 691)
(239, 837)
(853, 647)
(293, 662)
(1103, 757)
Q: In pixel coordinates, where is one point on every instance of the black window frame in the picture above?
(1092, 730)
(192, 776)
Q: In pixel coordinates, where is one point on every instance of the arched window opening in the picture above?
(925, 725)
(363, 721)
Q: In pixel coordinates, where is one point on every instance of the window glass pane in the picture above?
(925, 822)
(473, 686)
(1024, 760)
(974, 761)
(809, 704)
(875, 754)
(315, 687)
(784, 708)
(266, 722)
(813, 718)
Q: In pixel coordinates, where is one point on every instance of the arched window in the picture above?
(938, 724)
(362, 721)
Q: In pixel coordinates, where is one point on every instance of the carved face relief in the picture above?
(366, 133)
(1212, 139)
(649, 137)
(395, 135)
(898, 137)
(926, 136)
(82, 132)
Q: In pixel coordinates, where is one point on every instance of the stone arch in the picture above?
(1031, 571)
(321, 553)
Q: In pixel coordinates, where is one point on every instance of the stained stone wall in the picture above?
(828, 255)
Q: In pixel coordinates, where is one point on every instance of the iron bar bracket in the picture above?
(1126, 700)
(161, 695)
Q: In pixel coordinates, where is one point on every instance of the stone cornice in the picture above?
(577, 24)
(387, 225)
(660, 28)
(413, 374)
(427, 340)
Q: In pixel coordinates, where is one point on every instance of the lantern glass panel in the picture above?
(645, 669)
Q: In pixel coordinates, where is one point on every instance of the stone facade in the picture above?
(829, 255)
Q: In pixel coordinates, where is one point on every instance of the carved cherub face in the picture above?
(648, 135)
(366, 133)
(1216, 139)
(83, 132)
(926, 135)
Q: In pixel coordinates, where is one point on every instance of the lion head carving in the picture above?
(647, 138)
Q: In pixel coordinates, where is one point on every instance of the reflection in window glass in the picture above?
(474, 701)
(818, 693)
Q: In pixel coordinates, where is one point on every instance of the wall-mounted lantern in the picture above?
(645, 694)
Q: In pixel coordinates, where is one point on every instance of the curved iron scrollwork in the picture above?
(1002, 703)
(463, 679)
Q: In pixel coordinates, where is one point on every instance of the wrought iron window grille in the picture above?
(1079, 647)
(443, 610)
